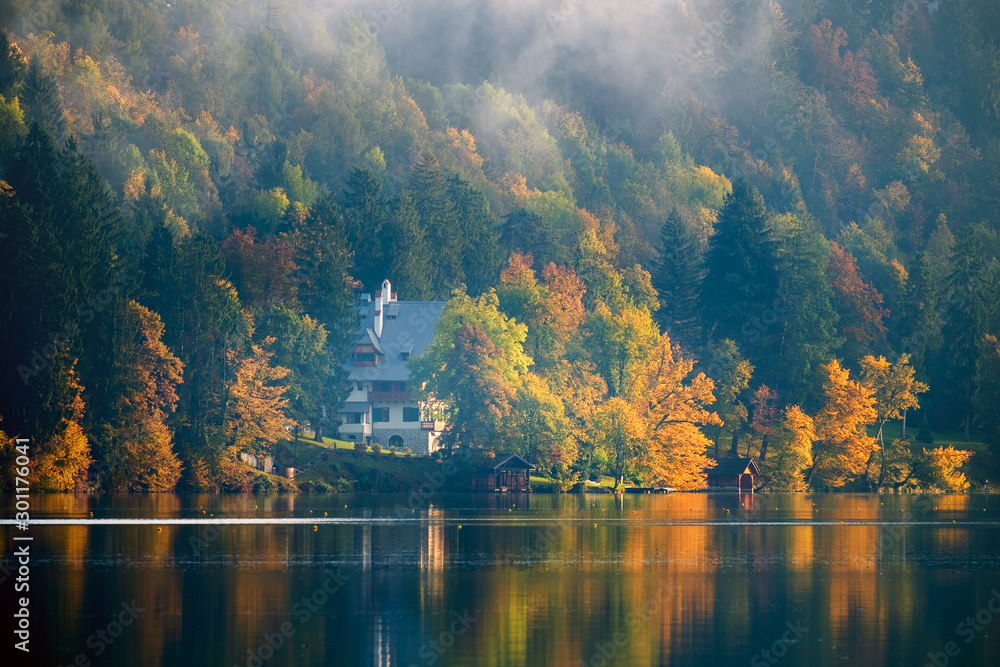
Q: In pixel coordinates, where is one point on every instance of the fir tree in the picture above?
(366, 211)
(677, 277)
(409, 254)
(40, 95)
(741, 281)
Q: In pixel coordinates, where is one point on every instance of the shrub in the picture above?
(409, 452)
(360, 448)
(377, 448)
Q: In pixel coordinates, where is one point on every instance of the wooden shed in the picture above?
(509, 474)
(733, 474)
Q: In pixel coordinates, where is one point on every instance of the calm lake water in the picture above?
(682, 579)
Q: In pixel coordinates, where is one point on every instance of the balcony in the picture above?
(390, 397)
(432, 426)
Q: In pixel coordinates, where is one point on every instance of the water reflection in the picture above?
(550, 580)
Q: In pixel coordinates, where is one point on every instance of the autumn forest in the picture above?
(666, 233)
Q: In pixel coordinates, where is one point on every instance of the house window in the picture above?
(364, 357)
(380, 415)
(385, 386)
(353, 418)
(411, 414)
(361, 386)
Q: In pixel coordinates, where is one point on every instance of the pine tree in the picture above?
(366, 212)
(12, 66)
(742, 280)
(409, 255)
(804, 316)
(474, 239)
(677, 277)
(429, 188)
(40, 95)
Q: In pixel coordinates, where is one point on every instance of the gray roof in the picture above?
(411, 330)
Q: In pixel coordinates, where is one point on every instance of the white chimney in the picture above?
(379, 300)
(387, 295)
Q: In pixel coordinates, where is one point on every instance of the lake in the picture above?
(460, 579)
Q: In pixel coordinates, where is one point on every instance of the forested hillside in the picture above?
(667, 230)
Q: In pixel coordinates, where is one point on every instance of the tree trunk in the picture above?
(763, 447)
(902, 427)
(318, 436)
(734, 449)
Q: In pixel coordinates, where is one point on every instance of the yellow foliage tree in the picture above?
(938, 468)
(894, 389)
(673, 409)
(256, 419)
(64, 457)
(790, 451)
(149, 372)
(843, 445)
(619, 431)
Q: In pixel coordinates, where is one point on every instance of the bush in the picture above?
(409, 452)
(377, 448)
(360, 448)
(264, 484)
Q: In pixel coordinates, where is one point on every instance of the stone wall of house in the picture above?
(415, 439)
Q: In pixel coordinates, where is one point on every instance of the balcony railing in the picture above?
(390, 397)
(432, 426)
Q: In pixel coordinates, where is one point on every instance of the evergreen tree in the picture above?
(474, 239)
(366, 211)
(40, 95)
(327, 293)
(12, 66)
(528, 232)
(677, 277)
(64, 269)
(429, 188)
(805, 316)
(973, 312)
(409, 255)
(742, 281)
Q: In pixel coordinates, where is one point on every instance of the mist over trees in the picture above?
(751, 205)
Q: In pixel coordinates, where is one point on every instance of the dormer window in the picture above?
(365, 355)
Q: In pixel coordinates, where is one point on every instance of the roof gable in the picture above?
(734, 466)
(513, 461)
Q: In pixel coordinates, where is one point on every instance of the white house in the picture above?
(381, 407)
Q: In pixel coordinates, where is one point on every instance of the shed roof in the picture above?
(734, 466)
(512, 461)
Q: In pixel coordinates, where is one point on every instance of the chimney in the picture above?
(378, 314)
(387, 294)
